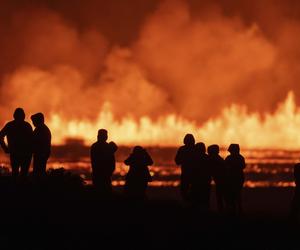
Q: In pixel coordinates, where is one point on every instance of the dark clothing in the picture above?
(184, 158)
(218, 171)
(41, 149)
(295, 206)
(200, 180)
(235, 164)
(103, 165)
(19, 140)
(42, 140)
(138, 174)
(18, 162)
(19, 137)
(39, 164)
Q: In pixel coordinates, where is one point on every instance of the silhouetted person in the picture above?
(41, 144)
(295, 208)
(103, 162)
(235, 164)
(19, 143)
(185, 158)
(138, 174)
(218, 171)
(200, 177)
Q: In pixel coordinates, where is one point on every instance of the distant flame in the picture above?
(235, 124)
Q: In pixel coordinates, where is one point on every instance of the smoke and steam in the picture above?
(147, 59)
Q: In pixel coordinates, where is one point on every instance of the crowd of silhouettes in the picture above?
(199, 167)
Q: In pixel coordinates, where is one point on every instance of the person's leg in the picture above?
(107, 185)
(15, 165)
(239, 203)
(219, 196)
(39, 165)
(145, 186)
(295, 208)
(141, 190)
(207, 197)
(184, 187)
(102, 184)
(202, 195)
(230, 200)
(35, 165)
(25, 164)
(43, 165)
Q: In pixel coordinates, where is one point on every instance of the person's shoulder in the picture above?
(27, 124)
(228, 158)
(241, 157)
(46, 130)
(45, 127)
(6, 128)
(94, 145)
(10, 124)
(181, 148)
(113, 146)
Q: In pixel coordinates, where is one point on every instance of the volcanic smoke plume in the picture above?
(152, 68)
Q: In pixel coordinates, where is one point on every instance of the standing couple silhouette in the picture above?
(23, 144)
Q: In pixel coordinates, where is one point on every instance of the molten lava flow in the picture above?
(235, 124)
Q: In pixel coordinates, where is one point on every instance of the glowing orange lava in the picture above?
(235, 124)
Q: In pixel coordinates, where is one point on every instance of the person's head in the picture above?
(200, 148)
(19, 114)
(234, 148)
(213, 149)
(189, 140)
(38, 119)
(102, 135)
(138, 150)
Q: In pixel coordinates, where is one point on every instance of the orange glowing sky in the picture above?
(150, 71)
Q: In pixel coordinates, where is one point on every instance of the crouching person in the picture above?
(138, 174)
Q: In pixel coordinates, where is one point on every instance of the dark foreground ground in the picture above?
(58, 216)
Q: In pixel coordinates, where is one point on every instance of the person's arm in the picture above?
(3, 133)
(49, 140)
(178, 157)
(149, 160)
(128, 161)
(30, 138)
(92, 156)
(243, 162)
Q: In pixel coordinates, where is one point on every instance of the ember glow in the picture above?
(153, 71)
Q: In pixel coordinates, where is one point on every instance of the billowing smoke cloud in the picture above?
(204, 64)
(191, 62)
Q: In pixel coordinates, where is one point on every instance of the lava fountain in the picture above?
(279, 129)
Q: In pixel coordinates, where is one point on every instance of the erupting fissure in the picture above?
(216, 70)
(279, 129)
